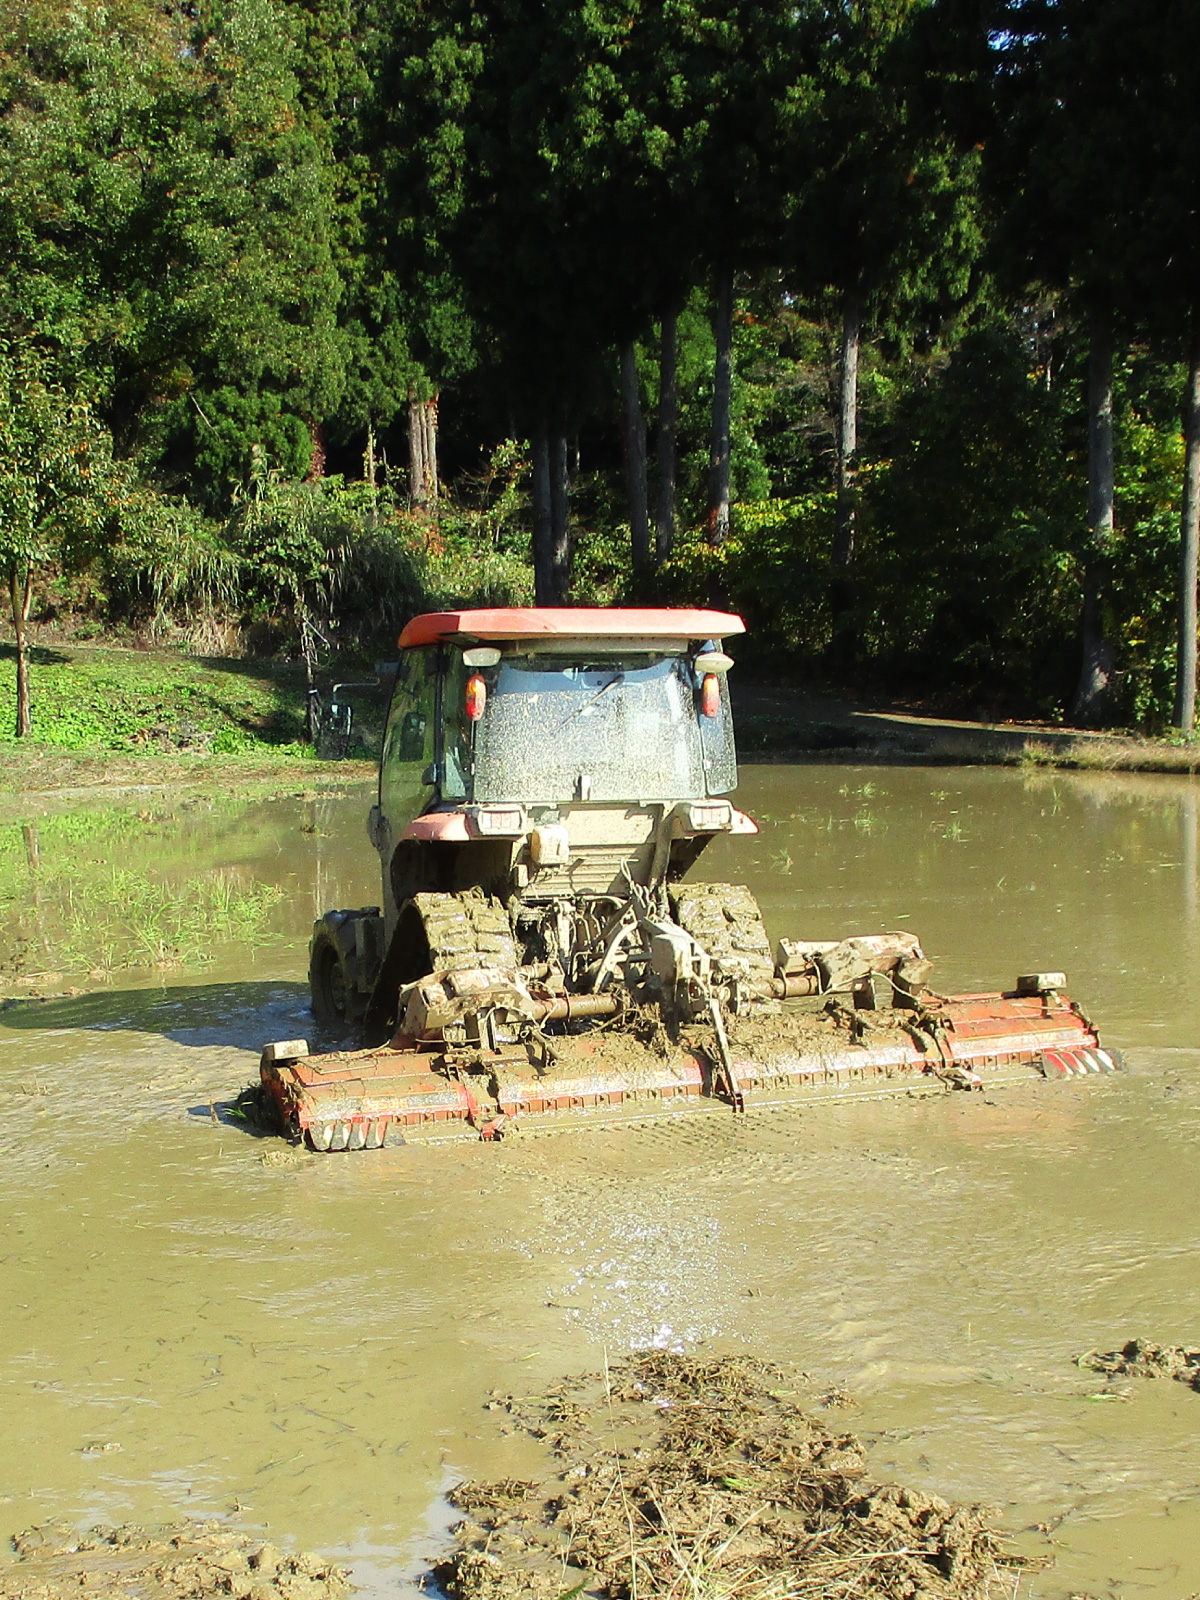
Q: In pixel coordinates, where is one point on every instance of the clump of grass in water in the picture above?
(64, 906)
(160, 924)
(128, 919)
(952, 830)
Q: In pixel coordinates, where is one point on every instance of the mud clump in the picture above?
(697, 1476)
(191, 1562)
(1141, 1359)
(824, 1032)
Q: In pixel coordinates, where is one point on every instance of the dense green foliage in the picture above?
(239, 238)
(133, 700)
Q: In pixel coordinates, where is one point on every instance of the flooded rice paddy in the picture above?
(195, 1321)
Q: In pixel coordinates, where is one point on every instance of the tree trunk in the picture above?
(1189, 547)
(416, 452)
(371, 475)
(430, 424)
(560, 506)
(20, 593)
(308, 654)
(316, 461)
(718, 455)
(847, 440)
(633, 437)
(842, 644)
(1095, 676)
(422, 452)
(668, 422)
(543, 538)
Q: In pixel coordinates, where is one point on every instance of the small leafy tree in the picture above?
(57, 485)
(294, 538)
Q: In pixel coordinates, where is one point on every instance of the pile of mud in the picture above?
(1141, 1359)
(808, 1031)
(190, 1562)
(684, 1475)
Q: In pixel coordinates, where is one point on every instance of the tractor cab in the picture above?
(525, 749)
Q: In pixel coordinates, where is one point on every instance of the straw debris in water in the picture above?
(686, 1476)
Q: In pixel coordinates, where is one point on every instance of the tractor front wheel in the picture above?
(329, 981)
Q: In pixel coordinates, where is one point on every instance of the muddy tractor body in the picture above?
(548, 780)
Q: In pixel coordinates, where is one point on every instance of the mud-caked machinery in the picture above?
(548, 780)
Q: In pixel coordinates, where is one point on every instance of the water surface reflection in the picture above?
(311, 1340)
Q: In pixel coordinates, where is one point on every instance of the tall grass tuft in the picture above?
(72, 915)
(172, 563)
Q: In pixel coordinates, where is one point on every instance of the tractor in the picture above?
(542, 953)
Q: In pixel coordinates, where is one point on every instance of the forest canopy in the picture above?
(878, 320)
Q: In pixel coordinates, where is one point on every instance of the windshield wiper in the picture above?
(604, 688)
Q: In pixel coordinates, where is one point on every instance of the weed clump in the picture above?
(1141, 1359)
(698, 1477)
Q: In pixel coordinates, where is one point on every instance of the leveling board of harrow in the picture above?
(369, 1099)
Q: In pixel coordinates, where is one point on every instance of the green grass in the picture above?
(98, 892)
(140, 700)
(127, 919)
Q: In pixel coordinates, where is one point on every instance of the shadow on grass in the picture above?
(38, 655)
(285, 674)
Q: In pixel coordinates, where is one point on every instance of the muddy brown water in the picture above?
(193, 1323)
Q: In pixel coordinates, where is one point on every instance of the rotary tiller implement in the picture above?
(548, 778)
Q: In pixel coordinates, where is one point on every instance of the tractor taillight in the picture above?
(710, 694)
(476, 697)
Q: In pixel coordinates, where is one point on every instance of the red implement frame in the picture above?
(364, 1099)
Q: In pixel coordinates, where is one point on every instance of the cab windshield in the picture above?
(556, 729)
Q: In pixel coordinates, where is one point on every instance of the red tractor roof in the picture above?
(574, 622)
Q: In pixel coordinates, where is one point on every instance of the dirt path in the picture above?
(774, 724)
(786, 724)
(33, 772)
